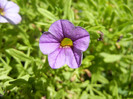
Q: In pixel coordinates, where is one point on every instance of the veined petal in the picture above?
(11, 7)
(57, 58)
(67, 28)
(73, 57)
(81, 38)
(3, 3)
(47, 37)
(78, 55)
(13, 18)
(48, 43)
(61, 28)
(56, 30)
(79, 32)
(47, 48)
(3, 20)
(82, 43)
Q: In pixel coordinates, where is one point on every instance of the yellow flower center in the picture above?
(1, 11)
(66, 42)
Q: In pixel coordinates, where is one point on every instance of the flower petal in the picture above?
(3, 20)
(67, 28)
(11, 7)
(13, 18)
(82, 39)
(57, 58)
(82, 43)
(47, 37)
(79, 32)
(48, 43)
(2, 3)
(73, 57)
(61, 28)
(78, 55)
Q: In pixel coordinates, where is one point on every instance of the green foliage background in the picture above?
(107, 67)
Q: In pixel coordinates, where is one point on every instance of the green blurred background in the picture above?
(107, 67)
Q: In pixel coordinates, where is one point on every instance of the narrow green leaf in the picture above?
(19, 82)
(68, 12)
(108, 58)
(5, 77)
(84, 95)
(47, 14)
(127, 9)
(102, 79)
(59, 94)
(1, 91)
(112, 17)
(19, 55)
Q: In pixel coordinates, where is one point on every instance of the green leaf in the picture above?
(109, 58)
(107, 12)
(18, 82)
(19, 55)
(1, 91)
(114, 88)
(6, 68)
(47, 14)
(59, 94)
(102, 79)
(97, 77)
(94, 35)
(68, 11)
(67, 75)
(5, 77)
(25, 77)
(95, 28)
(85, 84)
(96, 97)
(112, 17)
(84, 95)
(127, 9)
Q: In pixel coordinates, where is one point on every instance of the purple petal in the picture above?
(11, 7)
(61, 29)
(78, 55)
(47, 37)
(82, 43)
(56, 30)
(2, 3)
(3, 20)
(79, 32)
(48, 43)
(15, 18)
(67, 28)
(73, 57)
(57, 58)
(82, 38)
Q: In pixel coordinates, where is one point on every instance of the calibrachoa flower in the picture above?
(64, 44)
(9, 12)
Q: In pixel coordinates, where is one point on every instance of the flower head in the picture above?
(64, 44)
(9, 12)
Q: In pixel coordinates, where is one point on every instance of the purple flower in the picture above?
(64, 44)
(9, 12)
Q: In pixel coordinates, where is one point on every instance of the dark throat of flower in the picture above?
(66, 42)
(1, 11)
